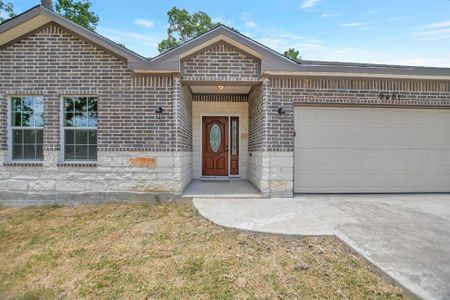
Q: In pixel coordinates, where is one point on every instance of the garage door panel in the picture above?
(372, 150)
(440, 161)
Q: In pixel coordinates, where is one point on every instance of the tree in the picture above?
(292, 54)
(184, 26)
(78, 12)
(6, 9)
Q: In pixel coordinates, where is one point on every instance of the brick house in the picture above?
(81, 115)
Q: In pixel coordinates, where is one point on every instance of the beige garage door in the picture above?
(363, 150)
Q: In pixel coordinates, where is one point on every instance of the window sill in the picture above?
(23, 164)
(77, 164)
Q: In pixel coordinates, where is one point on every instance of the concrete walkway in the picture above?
(226, 189)
(406, 236)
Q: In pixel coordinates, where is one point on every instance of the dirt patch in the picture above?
(167, 251)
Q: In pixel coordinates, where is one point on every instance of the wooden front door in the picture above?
(215, 146)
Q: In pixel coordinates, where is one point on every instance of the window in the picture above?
(80, 128)
(234, 135)
(27, 128)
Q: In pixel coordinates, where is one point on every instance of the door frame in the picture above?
(229, 115)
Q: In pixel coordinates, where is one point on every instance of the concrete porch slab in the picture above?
(233, 188)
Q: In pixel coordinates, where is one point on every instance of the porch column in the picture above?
(271, 136)
(182, 106)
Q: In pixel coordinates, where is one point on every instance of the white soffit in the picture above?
(23, 28)
(213, 89)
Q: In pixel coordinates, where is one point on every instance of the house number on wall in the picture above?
(387, 96)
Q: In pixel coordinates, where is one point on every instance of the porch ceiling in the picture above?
(212, 86)
(230, 89)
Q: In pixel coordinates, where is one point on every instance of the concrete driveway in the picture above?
(406, 236)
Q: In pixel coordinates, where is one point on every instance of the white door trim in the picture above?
(229, 115)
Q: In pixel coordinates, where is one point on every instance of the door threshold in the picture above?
(219, 178)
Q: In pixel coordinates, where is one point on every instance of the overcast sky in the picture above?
(411, 32)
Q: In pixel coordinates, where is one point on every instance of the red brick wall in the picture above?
(287, 92)
(220, 61)
(53, 62)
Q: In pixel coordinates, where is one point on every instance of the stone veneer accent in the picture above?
(272, 173)
(126, 172)
(220, 61)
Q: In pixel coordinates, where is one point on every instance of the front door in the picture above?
(215, 146)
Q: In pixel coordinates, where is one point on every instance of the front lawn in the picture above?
(168, 251)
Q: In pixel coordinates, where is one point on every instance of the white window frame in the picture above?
(62, 129)
(10, 129)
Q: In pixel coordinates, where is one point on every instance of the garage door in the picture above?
(370, 150)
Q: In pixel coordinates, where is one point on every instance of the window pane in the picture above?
(81, 152)
(29, 152)
(39, 106)
(68, 104)
(79, 120)
(92, 119)
(17, 152)
(39, 136)
(92, 137)
(92, 104)
(69, 153)
(17, 119)
(26, 119)
(69, 137)
(93, 152)
(29, 136)
(80, 104)
(28, 104)
(39, 152)
(234, 137)
(37, 120)
(68, 119)
(17, 136)
(16, 104)
(81, 137)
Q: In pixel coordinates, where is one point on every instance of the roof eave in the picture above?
(360, 74)
(77, 29)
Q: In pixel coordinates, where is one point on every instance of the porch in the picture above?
(234, 188)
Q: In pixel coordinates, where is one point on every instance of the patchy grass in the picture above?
(167, 251)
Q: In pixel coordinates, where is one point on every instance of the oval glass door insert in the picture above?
(215, 138)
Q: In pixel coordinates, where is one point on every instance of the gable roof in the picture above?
(39, 16)
(272, 62)
(270, 59)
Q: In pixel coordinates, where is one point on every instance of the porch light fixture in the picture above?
(159, 112)
(220, 87)
(281, 111)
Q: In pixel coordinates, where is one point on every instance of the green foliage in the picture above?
(292, 54)
(78, 12)
(184, 26)
(7, 9)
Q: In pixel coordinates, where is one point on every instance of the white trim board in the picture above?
(229, 115)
